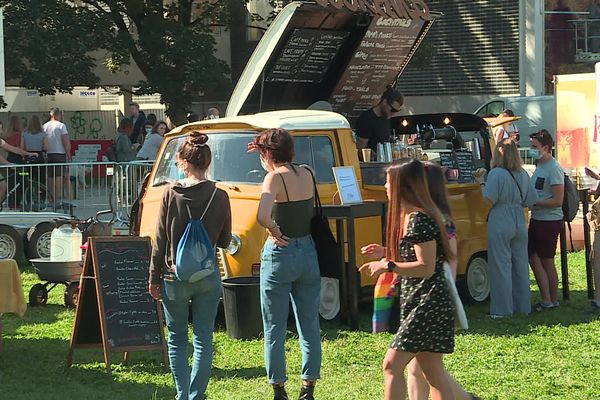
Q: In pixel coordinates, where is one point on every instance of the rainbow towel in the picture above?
(383, 300)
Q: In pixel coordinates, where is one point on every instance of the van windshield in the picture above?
(231, 163)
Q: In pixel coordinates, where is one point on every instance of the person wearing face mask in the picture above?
(546, 218)
(153, 141)
(194, 196)
(373, 125)
(289, 266)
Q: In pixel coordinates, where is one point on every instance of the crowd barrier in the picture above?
(79, 189)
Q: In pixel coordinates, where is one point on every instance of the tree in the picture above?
(49, 45)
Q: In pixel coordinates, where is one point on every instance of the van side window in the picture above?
(316, 151)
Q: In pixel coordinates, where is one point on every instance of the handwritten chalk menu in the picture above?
(306, 56)
(448, 160)
(466, 169)
(462, 160)
(114, 309)
(131, 314)
(384, 51)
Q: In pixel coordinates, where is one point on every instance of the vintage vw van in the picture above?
(313, 53)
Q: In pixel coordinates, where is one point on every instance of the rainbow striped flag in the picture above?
(383, 300)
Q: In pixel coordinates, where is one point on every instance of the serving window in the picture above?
(461, 154)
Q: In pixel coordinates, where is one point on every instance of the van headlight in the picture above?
(235, 245)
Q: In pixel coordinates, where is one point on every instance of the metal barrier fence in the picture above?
(79, 189)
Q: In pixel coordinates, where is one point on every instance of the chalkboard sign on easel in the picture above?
(114, 309)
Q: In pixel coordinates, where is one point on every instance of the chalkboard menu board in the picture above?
(306, 56)
(466, 170)
(114, 309)
(384, 50)
(131, 314)
(462, 160)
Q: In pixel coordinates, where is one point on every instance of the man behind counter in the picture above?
(373, 125)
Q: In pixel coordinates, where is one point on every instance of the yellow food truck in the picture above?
(311, 53)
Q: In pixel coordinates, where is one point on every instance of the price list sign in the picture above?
(380, 57)
(115, 310)
(306, 56)
(462, 161)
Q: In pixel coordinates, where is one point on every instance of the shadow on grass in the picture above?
(239, 373)
(47, 315)
(36, 369)
(571, 312)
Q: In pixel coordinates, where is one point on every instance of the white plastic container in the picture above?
(65, 244)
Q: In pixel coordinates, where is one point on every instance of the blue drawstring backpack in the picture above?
(196, 258)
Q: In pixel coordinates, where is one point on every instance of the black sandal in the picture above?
(279, 393)
(307, 392)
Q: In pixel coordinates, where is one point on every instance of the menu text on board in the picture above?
(413, 9)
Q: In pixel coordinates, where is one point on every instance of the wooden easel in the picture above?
(90, 328)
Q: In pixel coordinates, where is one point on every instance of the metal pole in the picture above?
(564, 267)
(583, 195)
(585, 35)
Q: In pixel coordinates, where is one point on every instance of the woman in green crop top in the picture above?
(289, 265)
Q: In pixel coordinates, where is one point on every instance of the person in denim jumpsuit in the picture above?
(289, 264)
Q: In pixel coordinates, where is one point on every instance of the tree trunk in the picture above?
(177, 114)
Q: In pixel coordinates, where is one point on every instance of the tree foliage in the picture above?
(49, 45)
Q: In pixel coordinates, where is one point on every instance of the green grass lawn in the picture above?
(550, 355)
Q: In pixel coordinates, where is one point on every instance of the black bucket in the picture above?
(241, 302)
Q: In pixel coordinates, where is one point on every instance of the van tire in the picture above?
(38, 240)
(11, 243)
(475, 285)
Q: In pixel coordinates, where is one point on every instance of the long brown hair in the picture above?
(14, 125)
(436, 183)
(408, 187)
(35, 125)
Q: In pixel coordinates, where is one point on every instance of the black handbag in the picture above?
(325, 243)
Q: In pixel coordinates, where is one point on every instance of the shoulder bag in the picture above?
(325, 243)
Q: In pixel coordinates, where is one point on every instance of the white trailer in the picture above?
(27, 234)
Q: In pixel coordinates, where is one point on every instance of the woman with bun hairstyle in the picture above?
(289, 266)
(418, 247)
(185, 199)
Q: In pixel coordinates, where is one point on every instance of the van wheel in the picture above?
(478, 279)
(11, 243)
(38, 240)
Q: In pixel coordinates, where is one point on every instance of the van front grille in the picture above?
(221, 262)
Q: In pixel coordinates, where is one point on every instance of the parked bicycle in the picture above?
(25, 191)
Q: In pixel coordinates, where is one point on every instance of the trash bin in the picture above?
(241, 302)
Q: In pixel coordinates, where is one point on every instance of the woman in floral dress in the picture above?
(417, 248)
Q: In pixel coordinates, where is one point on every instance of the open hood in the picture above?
(314, 52)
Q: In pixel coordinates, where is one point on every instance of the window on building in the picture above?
(572, 37)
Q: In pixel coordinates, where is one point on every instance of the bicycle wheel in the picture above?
(35, 196)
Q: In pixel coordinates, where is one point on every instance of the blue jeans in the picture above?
(291, 271)
(204, 296)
